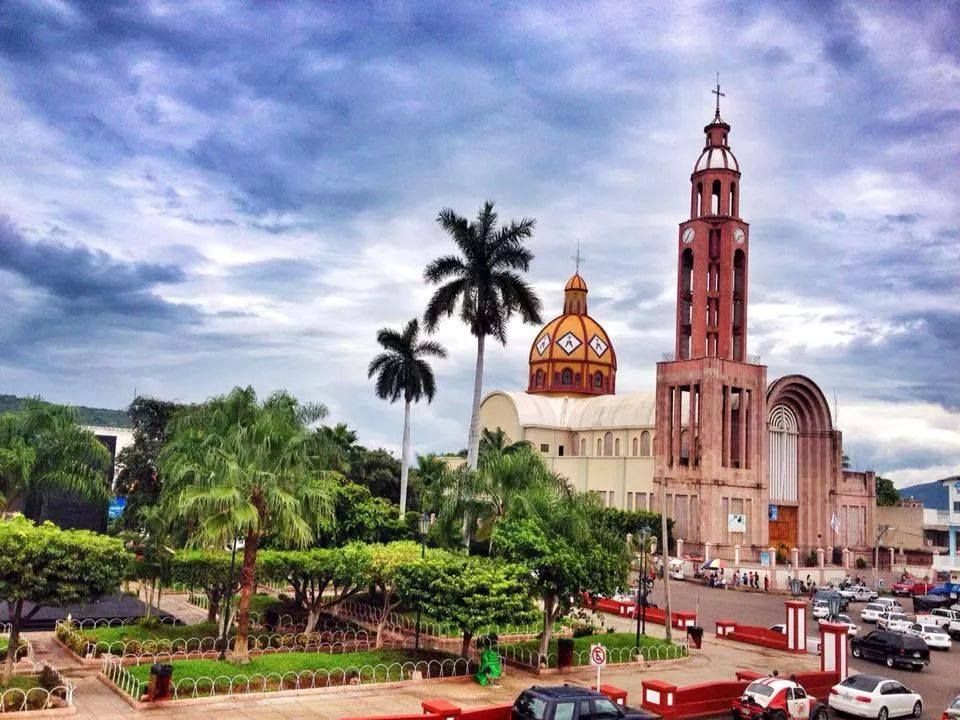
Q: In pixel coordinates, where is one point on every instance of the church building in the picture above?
(742, 461)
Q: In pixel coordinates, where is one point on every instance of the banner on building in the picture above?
(774, 510)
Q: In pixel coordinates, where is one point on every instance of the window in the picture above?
(598, 379)
(783, 434)
(616, 447)
(583, 446)
(599, 446)
(640, 501)
(629, 501)
(544, 448)
(564, 711)
(608, 444)
(567, 378)
(956, 506)
(645, 443)
(634, 447)
(538, 379)
(560, 450)
(605, 710)
(531, 706)
(715, 198)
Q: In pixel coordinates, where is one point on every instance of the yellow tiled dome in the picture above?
(573, 354)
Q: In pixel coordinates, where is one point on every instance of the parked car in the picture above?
(842, 619)
(820, 609)
(780, 628)
(875, 697)
(859, 593)
(826, 593)
(933, 635)
(571, 702)
(946, 618)
(891, 648)
(894, 622)
(776, 698)
(911, 586)
(953, 710)
(890, 603)
(872, 611)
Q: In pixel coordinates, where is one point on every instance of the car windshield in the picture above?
(861, 682)
(760, 689)
(873, 607)
(933, 629)
(896, 616)
(531, 706)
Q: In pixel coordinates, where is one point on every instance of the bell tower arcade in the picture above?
(710, 445)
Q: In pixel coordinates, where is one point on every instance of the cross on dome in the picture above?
(578, 258)
(716, 115)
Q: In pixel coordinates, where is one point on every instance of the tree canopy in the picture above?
(887, 493)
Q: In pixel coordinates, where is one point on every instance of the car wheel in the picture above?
(821, 714)
(890, 662)
(856, 652)
(778, 715)
(917, 709)
(883, 714)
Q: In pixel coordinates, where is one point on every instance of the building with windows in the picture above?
(745, 464)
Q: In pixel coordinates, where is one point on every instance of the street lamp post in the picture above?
(641, 586)
(424, 529)
(876, 555)
(225, 613)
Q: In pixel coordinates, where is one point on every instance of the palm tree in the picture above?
(429, 477)
(484, 284)
(240, 468)
(43, 450)
(496, 441)
(402, 371)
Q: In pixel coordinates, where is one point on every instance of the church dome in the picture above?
(572, 354)
(717, 158)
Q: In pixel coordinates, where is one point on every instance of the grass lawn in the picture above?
(142, 633)
(208, 672)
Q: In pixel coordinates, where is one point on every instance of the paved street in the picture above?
(938, 683)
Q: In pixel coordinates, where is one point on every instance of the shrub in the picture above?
(861, 564)
(584, 630)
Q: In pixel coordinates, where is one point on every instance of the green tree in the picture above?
(496, 441)
(322, 578)
(342, 444)
(402, 370)
(44, 565)
(209, 572)
(159, 528)
(428, 481)
(138, 479)
(43, 450)
(887, 493)
(484, 285)
(385, 564)
(360, 517)
(241, 468)
(565, 557)
(473, 594)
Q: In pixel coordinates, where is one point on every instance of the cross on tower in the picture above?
(578, 258)
(719, 95)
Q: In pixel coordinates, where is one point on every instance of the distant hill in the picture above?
(88, 416)
(933, 494)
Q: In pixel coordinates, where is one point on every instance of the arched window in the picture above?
(567, 376)
(598, 379)
(715, 198)
(699, 200)
(599, 447)
(583, 446)
(686, 271)
(575, 444)
(635, 447)
(616, 447)
(685, 447)
(645, 443)
(739, 279)
(608, 443)
(782, 466)
(538, 379)
(733, 209)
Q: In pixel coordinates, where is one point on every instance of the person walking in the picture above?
(766, 583)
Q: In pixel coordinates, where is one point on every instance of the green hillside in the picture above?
(88, 415)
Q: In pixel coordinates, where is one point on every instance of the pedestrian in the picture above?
(766, 583)
(809, 580)
(756, 580)
(745, 580)
(736, 580)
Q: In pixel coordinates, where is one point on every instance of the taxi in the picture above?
(776, 698)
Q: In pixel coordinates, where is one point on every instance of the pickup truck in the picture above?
(858, 593)
(946, 618)
(911, 586)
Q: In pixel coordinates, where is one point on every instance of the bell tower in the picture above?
(710, 444)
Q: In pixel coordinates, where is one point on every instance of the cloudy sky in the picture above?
(199, 195)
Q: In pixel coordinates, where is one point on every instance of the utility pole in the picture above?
(666, 555)
(876, 555)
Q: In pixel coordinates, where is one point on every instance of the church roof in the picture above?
(583, 413)
(576, 283)
(717, 157)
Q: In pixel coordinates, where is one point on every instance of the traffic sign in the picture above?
(598, 656)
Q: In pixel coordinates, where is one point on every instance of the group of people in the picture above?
(747, 579)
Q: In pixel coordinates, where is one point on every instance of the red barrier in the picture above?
(491, 712)
(758, 636)
(628, 609)
(446, 710)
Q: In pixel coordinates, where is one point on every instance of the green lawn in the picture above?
(141, 633)
(270, 667)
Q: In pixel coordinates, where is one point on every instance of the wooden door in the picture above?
(783, 530)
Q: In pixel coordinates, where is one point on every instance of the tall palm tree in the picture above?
(43, 449)
(496, 441)
(403, 371)
(430, 479)
(240, 468)
(485, 285)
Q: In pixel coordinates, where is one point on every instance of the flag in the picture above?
(835, 523)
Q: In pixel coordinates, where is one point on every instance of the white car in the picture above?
(891, 603)
(821, 608)
(946, 618)
(894, 622)
(842, 619)
(933, 635)
(872, 611)
(859, 593)
(875, 697)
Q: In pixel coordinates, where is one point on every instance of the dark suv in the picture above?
(891, 648)
(569, 702)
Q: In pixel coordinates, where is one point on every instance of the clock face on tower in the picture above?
(688, 236)
(738, 236)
